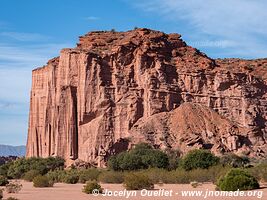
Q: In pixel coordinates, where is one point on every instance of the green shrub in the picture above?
(181, 176)
(90, 186)
(137, 181)
(234, 160)
(130, 161)
(111, 177)
(155, 158)
(237, 179)
(14, 187)
(88, 175)
(3, 180)
(71, 177)
(113, 161)
(56, 176)
(4, 168)
(42, 165)
(143, 156)
(199, 159)
(42, 181)
(30, 175)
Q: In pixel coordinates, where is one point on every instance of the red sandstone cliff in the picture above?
(117, 88)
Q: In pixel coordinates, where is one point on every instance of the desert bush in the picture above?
(42, 181)
(217, 171)
(259, 172)
(90, 186)
(158, 175)
(30, 175)
(137, 181)
(237, 179)
(88, 175)
(194, 184)
(4, 168)
(111, 177)
(42, 165)
(71, 176)
(235, 161)
(143, 156)
(199, 159)
(3, 181)
(14, 187)
(181, 176)
(56, 176)
(199, 175)
(12, 198)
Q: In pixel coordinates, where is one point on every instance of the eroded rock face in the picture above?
(86, 103)
(192, 125)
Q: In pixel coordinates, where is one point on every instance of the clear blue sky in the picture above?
(33, 31)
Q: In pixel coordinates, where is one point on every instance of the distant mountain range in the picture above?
(8, 150)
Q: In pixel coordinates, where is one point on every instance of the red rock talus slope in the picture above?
(118, 88)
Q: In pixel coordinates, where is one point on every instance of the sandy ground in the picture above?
(62, 191)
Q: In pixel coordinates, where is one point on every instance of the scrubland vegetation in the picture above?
(141, 168)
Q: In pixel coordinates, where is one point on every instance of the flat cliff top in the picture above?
(256, 67)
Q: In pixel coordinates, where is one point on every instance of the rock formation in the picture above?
(118, 88)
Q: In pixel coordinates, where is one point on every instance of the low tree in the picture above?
(198, 158)
(234, 160)
(142, 156)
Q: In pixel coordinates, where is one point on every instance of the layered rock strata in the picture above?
(118, 88)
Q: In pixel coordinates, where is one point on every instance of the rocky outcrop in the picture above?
(89, 102)
(192, 125)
